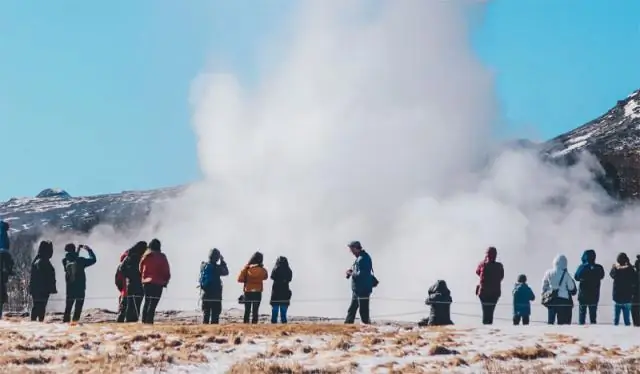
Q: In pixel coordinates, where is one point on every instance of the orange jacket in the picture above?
(253, 277)
(154, 268)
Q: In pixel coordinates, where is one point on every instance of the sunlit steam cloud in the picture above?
(376, 126)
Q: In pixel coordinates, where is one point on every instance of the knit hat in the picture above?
(70, 247)
(522, 278)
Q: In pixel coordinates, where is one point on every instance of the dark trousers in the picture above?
(39, 308)
(76, 303)
(488, 309)
(561, 313)
(635, 314)
(518, 317)
(358, 303)
(252, 306)
(211, 310)
(582, 314)
(129, 310)
(152, 294)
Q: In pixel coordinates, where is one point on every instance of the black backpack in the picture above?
(71, 271)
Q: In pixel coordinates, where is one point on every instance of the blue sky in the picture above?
(94, 95)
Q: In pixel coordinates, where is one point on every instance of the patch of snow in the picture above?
(632, 109)
(569, 149)
(580, 138)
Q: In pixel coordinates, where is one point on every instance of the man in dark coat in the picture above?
(439, 300)
(76, 279)
(491, 274)
(211, 286)
(590, 276)
(361, 274)
(130, 269)
(625, 284)
(42, 282)
(6, 264)
(281, 275)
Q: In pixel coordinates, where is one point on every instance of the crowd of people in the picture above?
(558, 290)
(143, 272)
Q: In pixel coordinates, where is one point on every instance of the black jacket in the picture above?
(439, 299)
(42, 281)
(281, 275)
(77, 283)
(625, 281)
(590, 275)
(130, 268)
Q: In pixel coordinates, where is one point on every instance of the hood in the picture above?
(560, 262)
(45, 250)
(440, 287)
(491, 254)
(622, 259)
(282, 262)
(214, 255)
(588, 256)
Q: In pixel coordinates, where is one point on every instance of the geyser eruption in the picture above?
(375, 126)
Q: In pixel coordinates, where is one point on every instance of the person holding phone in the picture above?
(76, 279)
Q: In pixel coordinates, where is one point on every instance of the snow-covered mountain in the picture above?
(614, 138)
(57, 209)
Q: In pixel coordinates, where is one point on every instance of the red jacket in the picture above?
(154, 268)
(120, 277)
(491, 274)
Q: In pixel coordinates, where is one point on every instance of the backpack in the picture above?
(205, 275)
(119, 278)
(71, 271)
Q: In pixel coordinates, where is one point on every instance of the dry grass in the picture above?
(270, 367)
(523, 353)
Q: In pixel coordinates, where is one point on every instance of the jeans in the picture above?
(361, 303)
(625, 309)
(152, 295)
(282, 310)
(211, 310)
(562, 313)
(582, 314)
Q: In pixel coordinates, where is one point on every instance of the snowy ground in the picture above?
(181, 347)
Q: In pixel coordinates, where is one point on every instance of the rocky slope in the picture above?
(614, 138)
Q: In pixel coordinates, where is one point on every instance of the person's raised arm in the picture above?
(223, 269)
(92, 257)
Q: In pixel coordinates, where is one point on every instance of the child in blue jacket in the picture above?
(522, 298)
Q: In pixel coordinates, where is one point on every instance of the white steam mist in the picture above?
(376, 126)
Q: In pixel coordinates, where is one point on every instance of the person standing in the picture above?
(121, 285)
(155, 273)
(625, 281)
(6, 264)
(362, 284)
(253, 276)
(133, 291)
(76, 279)
(281, 275)
(42, 280)
(522, 298)
(557, 281)
(211, 286)
(491, 273)
(590, 276)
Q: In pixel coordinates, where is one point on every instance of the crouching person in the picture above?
(522, 298)
(439, 300)
(42, 282)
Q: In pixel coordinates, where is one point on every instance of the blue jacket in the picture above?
(522, 298)
(590, 275)
(362, 276)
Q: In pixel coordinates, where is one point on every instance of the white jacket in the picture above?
(551, 279)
